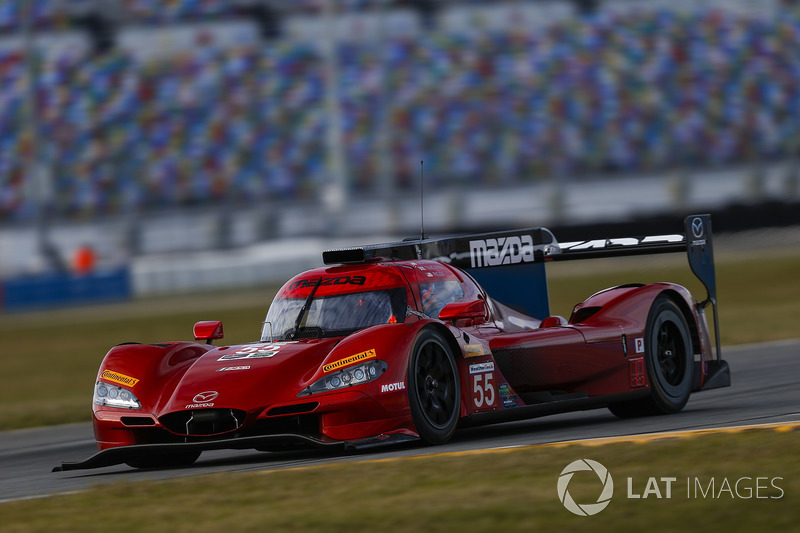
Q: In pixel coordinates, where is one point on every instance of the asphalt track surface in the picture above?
(764, 390)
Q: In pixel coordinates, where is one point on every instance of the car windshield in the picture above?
(333, 316)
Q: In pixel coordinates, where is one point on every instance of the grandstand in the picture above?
(147, 106)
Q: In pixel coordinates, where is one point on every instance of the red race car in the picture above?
(399, 342)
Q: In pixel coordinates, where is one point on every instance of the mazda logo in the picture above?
(205, 397)
(697, 227)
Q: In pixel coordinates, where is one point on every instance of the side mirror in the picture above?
(208, 330)
(475, 309)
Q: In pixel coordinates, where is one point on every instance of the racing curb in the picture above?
(647, 437)
(781, 427)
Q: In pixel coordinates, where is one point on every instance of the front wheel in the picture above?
(433, 388)
(670, 363)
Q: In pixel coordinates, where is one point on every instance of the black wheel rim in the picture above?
(435, 385)
(671, 353)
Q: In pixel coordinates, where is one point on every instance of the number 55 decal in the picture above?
(483, 390)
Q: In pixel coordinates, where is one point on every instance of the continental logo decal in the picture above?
(330, 367)
(473, 350)
(116, 377)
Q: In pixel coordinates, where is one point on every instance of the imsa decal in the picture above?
(508, 398)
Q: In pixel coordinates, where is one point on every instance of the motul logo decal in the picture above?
(391, 387)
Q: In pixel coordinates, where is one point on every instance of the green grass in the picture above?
(501, 490)
(50, 359)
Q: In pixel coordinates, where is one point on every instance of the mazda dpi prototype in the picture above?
(410, 340)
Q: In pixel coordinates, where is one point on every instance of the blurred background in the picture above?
(153, 147)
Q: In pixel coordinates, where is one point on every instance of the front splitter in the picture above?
(122, 454)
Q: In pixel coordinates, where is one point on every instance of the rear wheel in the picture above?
(669, 360)
(433, 388)
(164, 460)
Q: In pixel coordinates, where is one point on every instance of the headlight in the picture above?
(347, 377)
(113, 396)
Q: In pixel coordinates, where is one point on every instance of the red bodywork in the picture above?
(509, 365)
(402, 343)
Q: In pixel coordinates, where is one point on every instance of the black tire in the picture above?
(434, 392)
(669, 359)
(164, 460)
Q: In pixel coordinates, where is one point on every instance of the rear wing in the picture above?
(696, 242)
(510, 264)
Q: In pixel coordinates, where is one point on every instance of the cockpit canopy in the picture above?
(334, 315)
(333, 302)
(338, 301)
